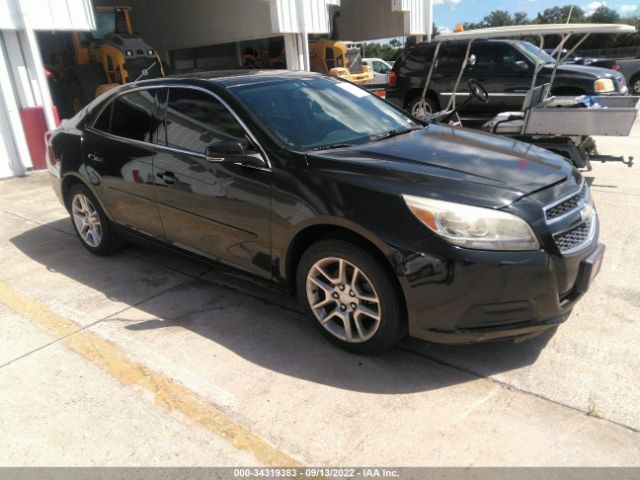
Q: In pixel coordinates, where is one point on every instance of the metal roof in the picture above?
(545, 29)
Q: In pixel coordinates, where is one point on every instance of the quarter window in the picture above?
(195, 119)
(103, 122)
(132, 116)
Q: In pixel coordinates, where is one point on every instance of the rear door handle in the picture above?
(168, 178)
(94, 157)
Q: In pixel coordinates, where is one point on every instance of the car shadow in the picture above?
(260, 324)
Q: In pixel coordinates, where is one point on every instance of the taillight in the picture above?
(50, 153)
(392, 79)
(616, 68)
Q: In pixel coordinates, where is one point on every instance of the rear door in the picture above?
(117, 152)
(221, 210)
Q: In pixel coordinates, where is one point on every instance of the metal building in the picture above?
(175, 29)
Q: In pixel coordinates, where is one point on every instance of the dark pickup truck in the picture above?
(630, 68)
(504, 67)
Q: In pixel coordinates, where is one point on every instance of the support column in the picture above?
(41, 79)
(304, 33)
(11, 132)
(293, 51)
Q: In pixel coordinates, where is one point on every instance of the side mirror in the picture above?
(520, 66)
(224, 151)
(232, 151)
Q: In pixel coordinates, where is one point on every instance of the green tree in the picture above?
(604, 14)
(520, 18)
(498, 18)
(561, 15)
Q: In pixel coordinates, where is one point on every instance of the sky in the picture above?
(447, 13)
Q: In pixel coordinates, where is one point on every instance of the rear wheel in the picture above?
(422, 110)
(90, 222)
(349, 297)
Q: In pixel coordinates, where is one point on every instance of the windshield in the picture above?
(105, 23)
(531, 51)
(321, 112)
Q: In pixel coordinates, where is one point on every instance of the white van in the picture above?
(380, 69)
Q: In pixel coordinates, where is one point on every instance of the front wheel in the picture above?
(349, 297)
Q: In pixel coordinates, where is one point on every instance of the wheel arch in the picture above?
(310, 234)
(72, 178)
(414, 93)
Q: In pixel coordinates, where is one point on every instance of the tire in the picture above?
(634, 85)
(414, 109)
(90, 222)
(366, 300)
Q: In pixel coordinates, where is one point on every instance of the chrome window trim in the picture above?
(564, 199)
(265, 157)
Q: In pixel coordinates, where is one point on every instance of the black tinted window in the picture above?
(133, 116)
(195, 119)
(452, 55)
(104, 120)
(417, 58)
(492, 56)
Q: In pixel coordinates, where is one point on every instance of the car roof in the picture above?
(231, 78)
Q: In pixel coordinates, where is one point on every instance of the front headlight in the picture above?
(473, 227)
(604, 85)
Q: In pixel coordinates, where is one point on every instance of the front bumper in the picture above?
(470, 296)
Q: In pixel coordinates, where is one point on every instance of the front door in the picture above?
(221, 210)
(496, 69)
(117, 152)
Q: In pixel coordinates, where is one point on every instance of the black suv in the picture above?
(504, 67)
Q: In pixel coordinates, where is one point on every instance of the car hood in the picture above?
(486, 169)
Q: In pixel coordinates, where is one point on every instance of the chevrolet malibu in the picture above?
(382, 225)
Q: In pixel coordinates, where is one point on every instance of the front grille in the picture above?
(575, 237)
(565, 206)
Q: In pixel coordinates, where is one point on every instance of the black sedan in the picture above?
(381, 224)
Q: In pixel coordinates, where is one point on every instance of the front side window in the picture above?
(310, 113)
(132, 115)
(195, 119)
(532, 53)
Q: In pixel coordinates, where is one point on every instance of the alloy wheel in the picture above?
(343, 300)
(86, 220)
(636, 87)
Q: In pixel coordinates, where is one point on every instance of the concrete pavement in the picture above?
(146, 358)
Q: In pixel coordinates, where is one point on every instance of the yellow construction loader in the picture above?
(109, 56)
(341, 59)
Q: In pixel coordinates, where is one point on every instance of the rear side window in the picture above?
(417, 58)
(495, 56)
(131, 116)
(195, 119)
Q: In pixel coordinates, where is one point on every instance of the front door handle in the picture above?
(94, 157)
(168, 178)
